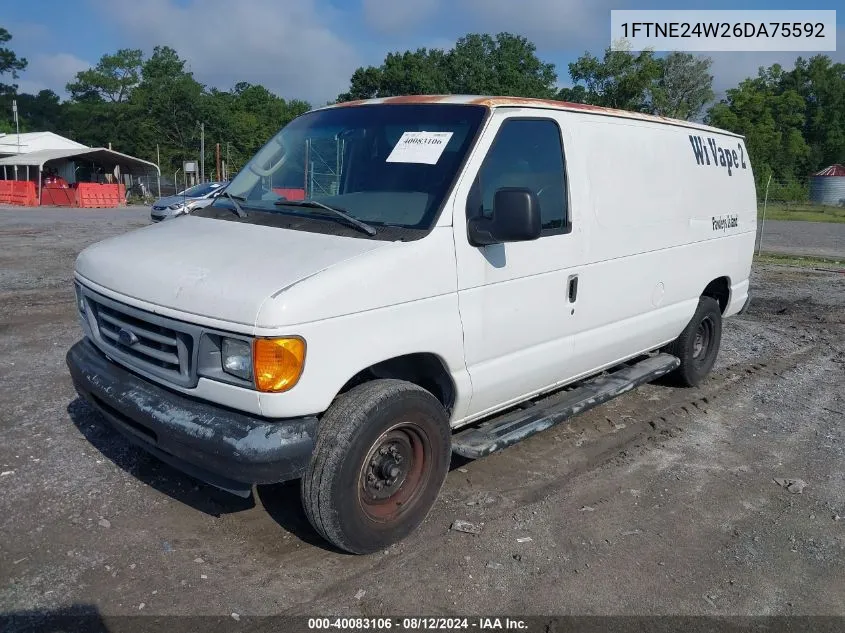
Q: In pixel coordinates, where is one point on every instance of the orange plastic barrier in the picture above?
(59, 197)
(290, 194)
(91, 195)
(18, 193)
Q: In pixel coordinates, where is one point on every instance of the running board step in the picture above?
(504, 431)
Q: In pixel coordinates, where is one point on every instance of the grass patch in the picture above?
(796, 260)
(803, 212)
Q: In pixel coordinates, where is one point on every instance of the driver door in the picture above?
(518, 301)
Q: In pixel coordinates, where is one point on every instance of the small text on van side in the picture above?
(725, 222)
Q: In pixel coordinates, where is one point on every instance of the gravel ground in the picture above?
(663, 501)
(818, 239)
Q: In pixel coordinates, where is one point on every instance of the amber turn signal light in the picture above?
(277, 363)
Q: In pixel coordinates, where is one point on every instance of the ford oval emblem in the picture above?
(127, 337)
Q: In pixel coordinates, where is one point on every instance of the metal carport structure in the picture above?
(107, 159)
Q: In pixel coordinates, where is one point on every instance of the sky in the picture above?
(308, 49)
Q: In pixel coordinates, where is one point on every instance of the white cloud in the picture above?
(550, 24)
(730, 68)
(390, 16)
(288, 47)
(553, 25)
(442, 43)
(50, 71)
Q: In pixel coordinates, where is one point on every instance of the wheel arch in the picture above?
(424, 369)
(720, 290)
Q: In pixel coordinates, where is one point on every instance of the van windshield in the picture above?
(386, 165)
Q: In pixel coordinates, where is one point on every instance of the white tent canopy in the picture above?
(35, 142)
(100, 154)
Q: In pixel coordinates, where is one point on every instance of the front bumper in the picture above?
(222, 447)
(158, 216)
(745, 305)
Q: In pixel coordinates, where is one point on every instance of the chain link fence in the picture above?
(148, 188)
(789, 222)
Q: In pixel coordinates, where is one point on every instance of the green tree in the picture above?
(242, 119)
(793, 121)
(821, 83)
(772, 120)
(504, 64)
(137, 105)
(678, 85)
(112, 79)
(166, 108)
(573, 94)
(422, 71)
(10, 63)
(98, 124)
(683, 87)
(621, 79)
(41, 112)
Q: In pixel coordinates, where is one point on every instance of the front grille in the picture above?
(154, 345)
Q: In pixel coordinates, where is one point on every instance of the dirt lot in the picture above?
(661, 502)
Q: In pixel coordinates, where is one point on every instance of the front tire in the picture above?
(381, 456)
(698, 344)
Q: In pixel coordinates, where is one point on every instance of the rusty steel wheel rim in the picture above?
(395, 472)
(703, 339)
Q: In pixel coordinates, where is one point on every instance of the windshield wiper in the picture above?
(366, 228)
(238, 209)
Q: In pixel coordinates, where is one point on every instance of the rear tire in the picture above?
(381, 456)
(698, 344)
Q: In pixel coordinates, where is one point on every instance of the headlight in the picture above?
(278, 363)
(178, 205)
(236, 357)
(80, 300)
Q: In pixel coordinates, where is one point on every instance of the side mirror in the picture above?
(516, 218)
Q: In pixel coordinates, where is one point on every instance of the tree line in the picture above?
(793, 121)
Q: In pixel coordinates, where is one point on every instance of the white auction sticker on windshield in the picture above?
(419, 147)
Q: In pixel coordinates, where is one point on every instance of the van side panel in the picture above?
(649, 191)
(669, 210)
(658, 212)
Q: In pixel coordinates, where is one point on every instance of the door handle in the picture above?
(573, 288)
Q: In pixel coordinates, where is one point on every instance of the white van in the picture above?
(387, 280)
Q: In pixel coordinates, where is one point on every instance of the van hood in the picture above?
(212, 268)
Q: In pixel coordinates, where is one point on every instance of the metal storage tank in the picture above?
(828, 186)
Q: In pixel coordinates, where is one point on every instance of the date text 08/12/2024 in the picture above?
(417, 624)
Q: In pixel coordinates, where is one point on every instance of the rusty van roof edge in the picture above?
(528, 102)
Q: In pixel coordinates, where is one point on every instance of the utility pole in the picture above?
(763, 223)
(217, 173)
(202, 152)
(17, 125)
(158, 164)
